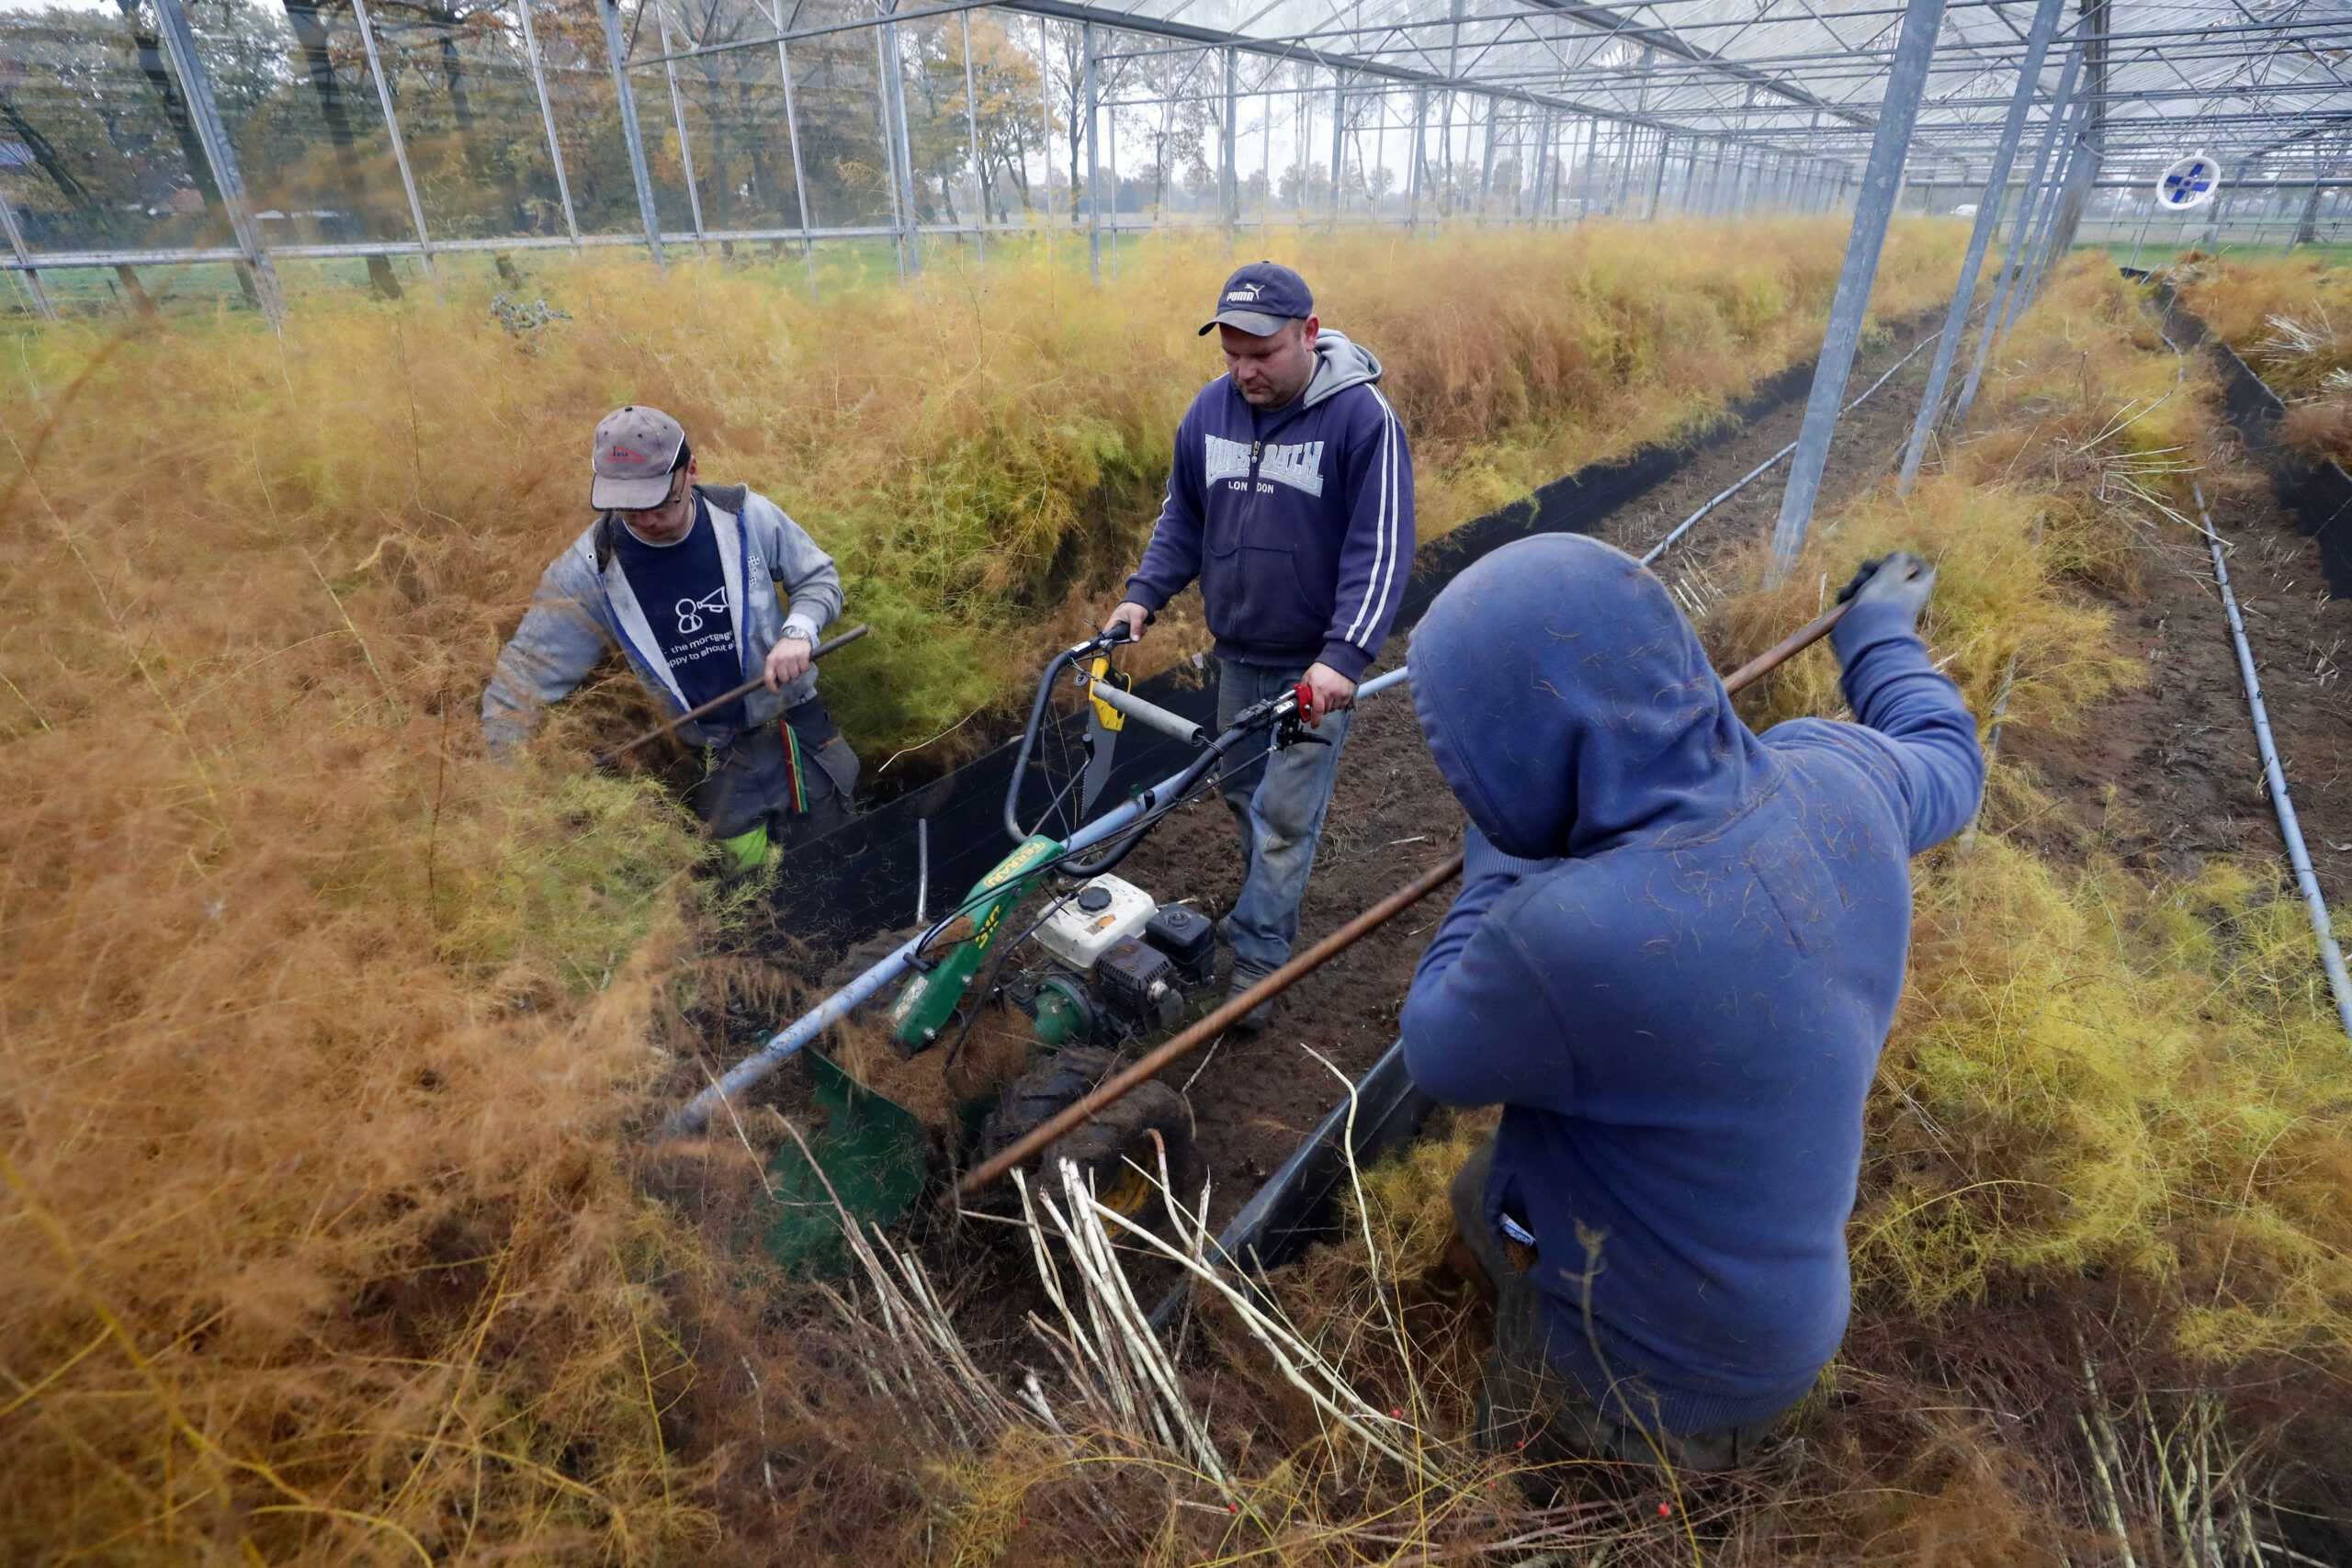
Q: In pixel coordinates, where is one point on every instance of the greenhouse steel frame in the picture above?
(1707, 107)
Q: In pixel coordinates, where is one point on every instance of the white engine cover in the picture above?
(1078, 935)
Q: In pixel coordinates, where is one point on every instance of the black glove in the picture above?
(1901, 578)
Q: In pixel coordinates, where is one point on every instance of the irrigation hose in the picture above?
(670, 727)
(1112, 1091)
(1761, 469)
(2331, 957)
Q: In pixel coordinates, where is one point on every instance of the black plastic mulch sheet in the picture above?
(2317, 492)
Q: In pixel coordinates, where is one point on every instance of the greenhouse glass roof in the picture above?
(2166, 77)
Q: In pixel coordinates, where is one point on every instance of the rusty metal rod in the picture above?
(1118, 1088)
(1779, 653)
(746, 689)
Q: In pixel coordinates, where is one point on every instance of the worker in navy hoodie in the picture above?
(1291, 501)
(1673, 962)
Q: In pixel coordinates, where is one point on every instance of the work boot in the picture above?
(1246, 974)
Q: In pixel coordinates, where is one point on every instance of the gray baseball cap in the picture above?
(636, 450)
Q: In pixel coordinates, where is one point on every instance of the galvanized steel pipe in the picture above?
(2331, 957)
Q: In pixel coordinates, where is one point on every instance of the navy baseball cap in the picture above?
(1261, 299)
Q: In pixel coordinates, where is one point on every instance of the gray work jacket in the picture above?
(578, 612)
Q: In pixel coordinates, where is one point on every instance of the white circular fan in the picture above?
(2190, 183)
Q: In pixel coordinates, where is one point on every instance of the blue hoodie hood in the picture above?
(1571, 706)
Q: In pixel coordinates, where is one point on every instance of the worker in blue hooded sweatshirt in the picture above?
(1673, 962)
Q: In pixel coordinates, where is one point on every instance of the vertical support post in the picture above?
(2081, 169)
(2031, 264)
(1563, 167)
(41, 304)
(889, 145)
(972, 140)
(1229, 174)
(2144, 224)
(1093, 163)
(1045, 114)
(616, 51)
(1450, 188)
(1980, 237)
(547, 118)
(1537, 177)
(903, 149)
(1657, 176)
(1110, 159)
(677, 118)
(2014, 256)
(2094, 125)
(1266, 146)
(1534, 165)
(1305, 137)
(1486, 158)
(400, 143)
(1416, 154)
(1898, 110)
(1339, 145)
(2307, 225)
(792, 136)
(195, 86)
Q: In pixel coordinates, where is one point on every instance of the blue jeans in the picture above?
(1279, 803)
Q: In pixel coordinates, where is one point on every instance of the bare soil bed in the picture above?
(2163, 775)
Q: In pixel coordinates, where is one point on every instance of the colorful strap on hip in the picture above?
(792, 765)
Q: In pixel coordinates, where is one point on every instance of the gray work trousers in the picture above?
(797, 793)
(1279, 802)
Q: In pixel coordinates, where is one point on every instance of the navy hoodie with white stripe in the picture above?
(1297, 522)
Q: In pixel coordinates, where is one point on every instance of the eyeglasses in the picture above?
(675, 495)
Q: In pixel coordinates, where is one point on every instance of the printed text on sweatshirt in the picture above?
(1297, 523)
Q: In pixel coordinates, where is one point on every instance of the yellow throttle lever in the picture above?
(1101, 671)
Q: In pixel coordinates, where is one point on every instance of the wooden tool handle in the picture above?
(745, 690)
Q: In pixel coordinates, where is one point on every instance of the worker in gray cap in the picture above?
(702, 588)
